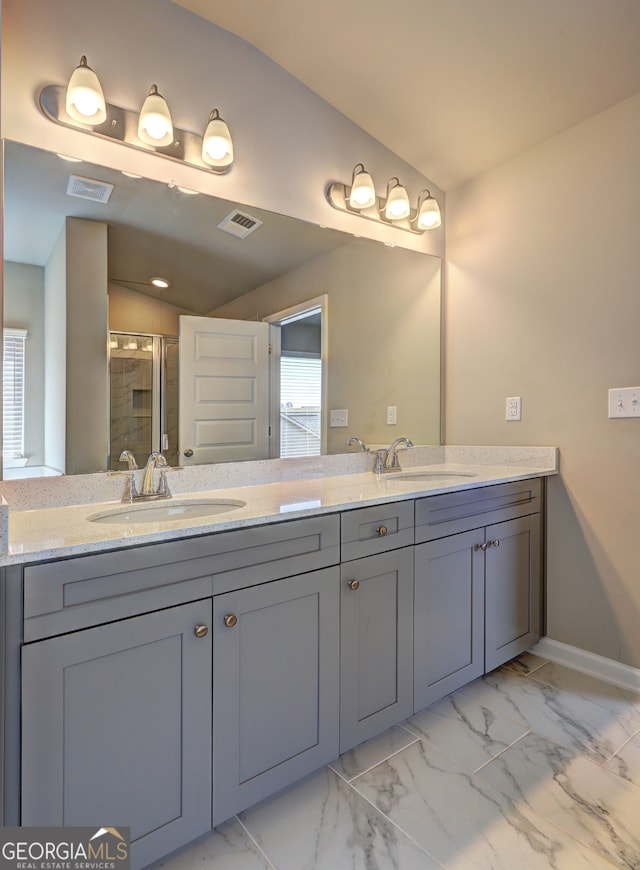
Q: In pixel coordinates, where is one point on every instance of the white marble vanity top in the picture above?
(325, 485)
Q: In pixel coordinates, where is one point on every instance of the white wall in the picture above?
(543, 302)
(24, 309)
(289, 143)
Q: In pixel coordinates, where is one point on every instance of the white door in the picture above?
(224, 390)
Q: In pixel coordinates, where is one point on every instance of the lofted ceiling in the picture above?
(453, 87)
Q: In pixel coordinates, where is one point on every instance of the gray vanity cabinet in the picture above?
(478, 584)
(448, 616)
(276, 653)
(116, 728)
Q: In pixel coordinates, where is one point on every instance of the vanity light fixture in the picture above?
(81, 105)
(217, 147)
(155, 126)
(85, 100)
(394, 210)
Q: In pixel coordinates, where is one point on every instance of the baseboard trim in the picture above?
(625, 676)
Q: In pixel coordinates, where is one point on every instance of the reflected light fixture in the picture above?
(85, 100)
(161, 283)
(81, 105)
(155, 126)
(394, 210)
(217, 147)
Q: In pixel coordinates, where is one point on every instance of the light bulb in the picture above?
(397, 205)
(363, 194)
(429, 214)
(217, 147)
(155, 126)
(85, 100)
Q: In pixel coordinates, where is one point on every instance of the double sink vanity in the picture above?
(168, 664)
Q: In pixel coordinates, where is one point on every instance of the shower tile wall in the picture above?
(131, 402)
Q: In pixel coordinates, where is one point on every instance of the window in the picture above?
(13, 353)
(300, 406)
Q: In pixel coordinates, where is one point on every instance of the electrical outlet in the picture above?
(339, 418)
(392, 415)
(514, 408)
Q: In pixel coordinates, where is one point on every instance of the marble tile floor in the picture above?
(532, 766)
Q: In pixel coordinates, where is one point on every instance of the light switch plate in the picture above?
(624, 402)
(392, 415)
(339, 418)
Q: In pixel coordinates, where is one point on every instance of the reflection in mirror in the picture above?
(81, 245)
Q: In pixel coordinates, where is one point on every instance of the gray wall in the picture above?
(543, 302)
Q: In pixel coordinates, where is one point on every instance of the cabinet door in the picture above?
(513, 589)
(116, 729)
(275, 686)
(448, 615)
(376, 643)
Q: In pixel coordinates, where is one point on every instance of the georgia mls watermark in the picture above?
(34, 848)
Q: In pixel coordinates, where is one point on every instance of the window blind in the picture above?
(13, 361)
(300, 406)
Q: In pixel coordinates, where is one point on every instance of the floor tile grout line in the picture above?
(255, 843)
(619, 750)
(502, 751)
(381, 761)
(392, 822)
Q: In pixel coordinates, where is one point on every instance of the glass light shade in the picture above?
(397, 205)
(429, 214)
(85, 100)
(217, 147)
(363, 193)
(155, 126)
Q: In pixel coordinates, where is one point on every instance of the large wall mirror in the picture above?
(101, 342)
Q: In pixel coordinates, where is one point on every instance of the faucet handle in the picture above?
(378, 466)
(128, 457)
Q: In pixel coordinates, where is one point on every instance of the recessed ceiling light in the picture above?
(188, 190)
(70, 159)
(162, 283)
(130, 174)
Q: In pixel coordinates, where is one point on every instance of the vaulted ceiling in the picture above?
(453, 87)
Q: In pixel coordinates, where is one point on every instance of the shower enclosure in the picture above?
(143, 396)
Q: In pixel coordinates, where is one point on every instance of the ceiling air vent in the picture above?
(89, 188)
(239, 224)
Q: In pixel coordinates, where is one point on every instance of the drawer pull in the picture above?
(201, 630)
(382, 531)
(354, 585)
(230, 620)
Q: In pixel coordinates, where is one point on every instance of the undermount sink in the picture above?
(432, 475)
(167, 512)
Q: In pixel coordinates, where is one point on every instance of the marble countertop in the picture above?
(53, 532)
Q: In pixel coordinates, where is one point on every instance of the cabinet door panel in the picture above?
(376, 644)
(513, 582)
(275, 686)
(116, 729)
(448, 616)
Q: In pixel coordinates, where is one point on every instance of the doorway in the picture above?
(302, 378)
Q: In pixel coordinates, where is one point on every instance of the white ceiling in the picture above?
(453, 87)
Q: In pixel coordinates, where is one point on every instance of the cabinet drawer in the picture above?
(438, 516)
(88, 590)
(376, 529)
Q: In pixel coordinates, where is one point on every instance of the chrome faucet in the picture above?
(387, 459)
(350, 441)
(130, 491)
(155, 460)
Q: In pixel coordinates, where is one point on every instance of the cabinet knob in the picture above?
(382, 531)
(354, 585)
(188, 452)
(495, 543)
(230, 620)
(482, 547)
(201, 630)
